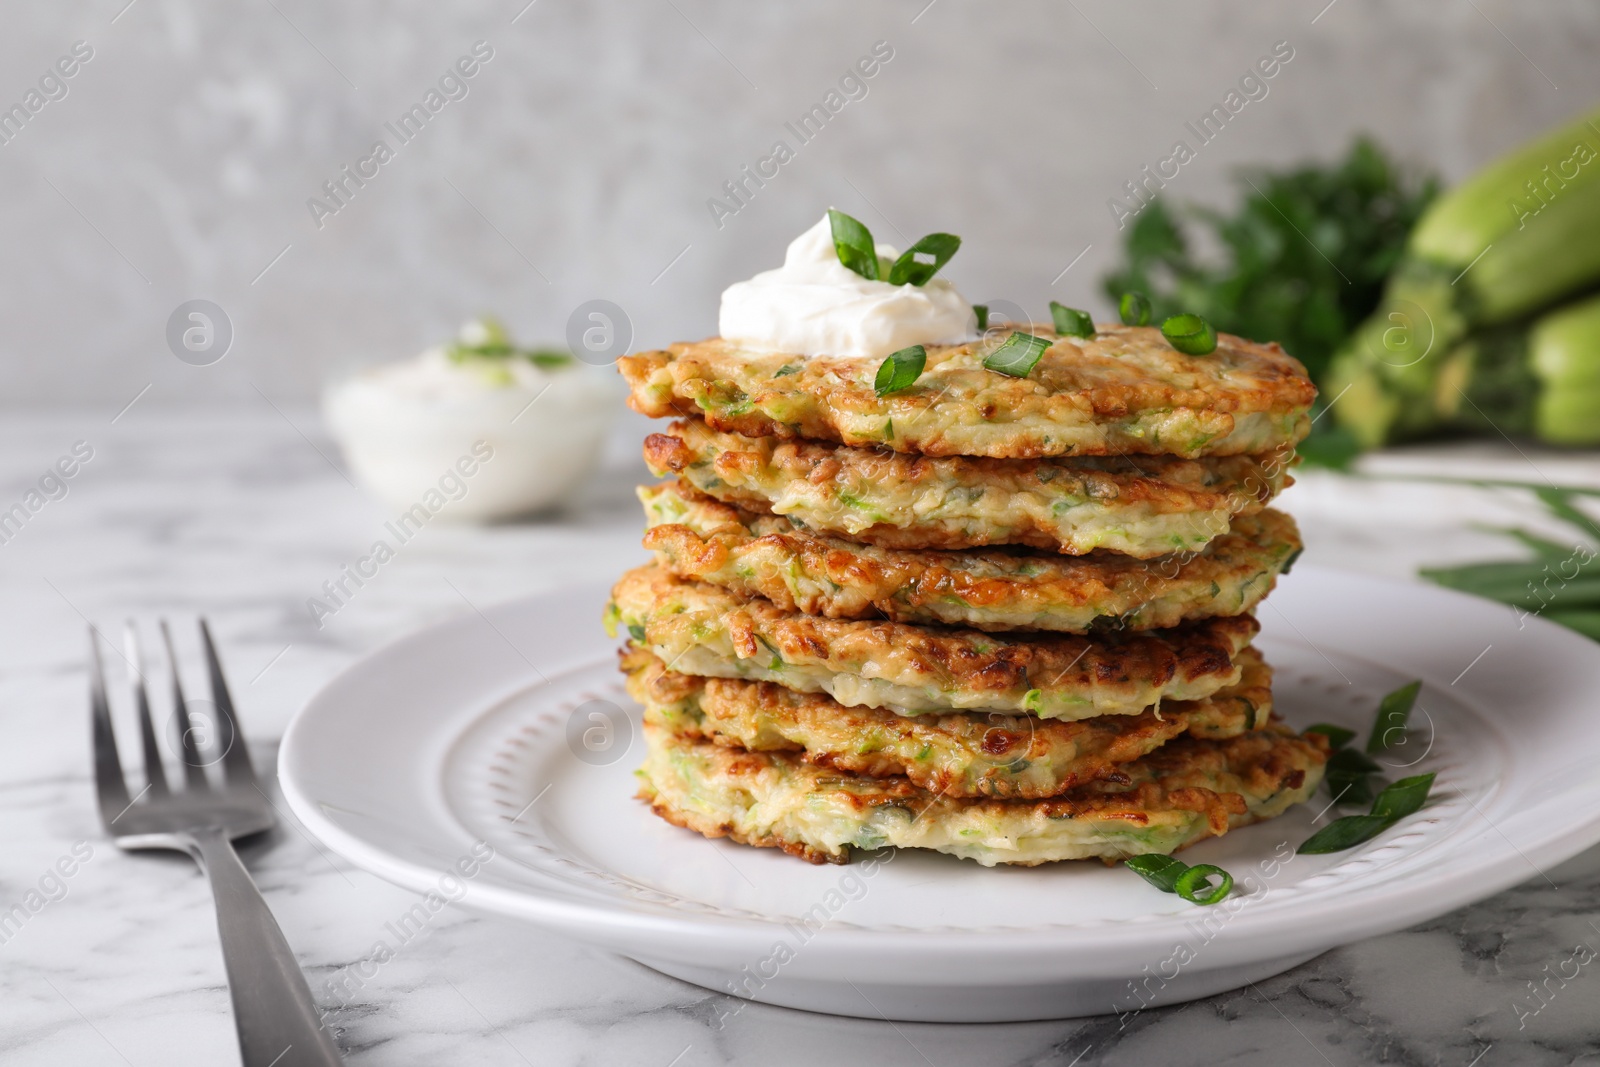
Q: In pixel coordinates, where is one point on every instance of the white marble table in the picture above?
(237, 515)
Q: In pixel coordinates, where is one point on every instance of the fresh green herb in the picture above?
(1070, 322)
(1018, 355)
(1403, 798)
(1349, 771)
(854, 245)
(982, 312)
(1393, 712)
(909, 269)
(1301, 259)
(786, 370)
(1343, 833)
(1160, 871)
(1349, 776)
(1561, 584)
(1294, 557)
(1195, 886)
(486, 339)
(1337, 736)
(1134, 308)
(636, 631)
(1190, 334)
(900, 370)
(1174, 876)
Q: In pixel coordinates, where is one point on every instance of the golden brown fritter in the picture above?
(698, 538)
(1124, 391)
(1185, 791)
(1142, 506)
(960, 754)
(702, 629)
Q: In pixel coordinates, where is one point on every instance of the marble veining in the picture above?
(234, 514)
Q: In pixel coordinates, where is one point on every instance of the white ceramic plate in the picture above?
(511, 728)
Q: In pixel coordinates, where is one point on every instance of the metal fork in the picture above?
(277, 1020)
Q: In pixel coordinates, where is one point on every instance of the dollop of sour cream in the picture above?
(816, 306)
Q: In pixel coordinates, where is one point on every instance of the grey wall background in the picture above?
(179, 163)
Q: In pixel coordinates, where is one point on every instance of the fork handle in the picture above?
(278, 1022)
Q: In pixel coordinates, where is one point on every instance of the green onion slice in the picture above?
(1344, 833)
(1403, 798)
(1393, 711)
(1070, 322)
(1190, 334)
(1347, 776)
(982, 311)
(1018, 356)
(1160, 871)
(1353, 760)
(909, 269)
(1194, 885)
(1337, 736)
(636, 631)
(1174, 876)
(1349, 788)
(1134, 308)
(900, 369)
(853, 243)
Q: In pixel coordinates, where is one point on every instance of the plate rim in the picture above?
(1406, 902)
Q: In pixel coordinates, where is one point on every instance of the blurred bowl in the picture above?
(472, 440)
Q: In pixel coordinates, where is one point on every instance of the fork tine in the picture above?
(154, 772)
(110, 787)
(236, 757)
(193, 772)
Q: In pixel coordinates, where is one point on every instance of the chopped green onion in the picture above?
(1347, 774)
(1344, 833)
(982, 312)
(486, 339)
(1288, 564)
(1392, 714)
(853, 243)
(1070, 322)
(1354, 760)
(787, 369)
(1190, 334)
(1337, 736)
(1018, 356)
(1134, 308)
(636, 631)
(908, 269)
(1194, 885)
(1160, 871)
(1403, 798)
(1174, 876)
(900, 370)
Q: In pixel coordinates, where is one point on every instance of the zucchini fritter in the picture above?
(698, 538)
(1143, 506)
(702, 629)
(1124, 391)
(960, 754)
(1183, 792)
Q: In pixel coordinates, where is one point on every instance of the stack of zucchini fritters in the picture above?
(1007, 618)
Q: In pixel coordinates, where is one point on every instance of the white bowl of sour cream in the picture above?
(473, 431)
